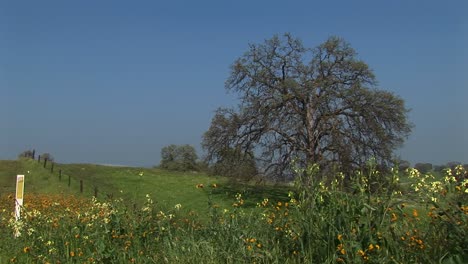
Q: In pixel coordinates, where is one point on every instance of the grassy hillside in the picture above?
(166, 188)
(37, 178)
(8, 171)
(424, 222)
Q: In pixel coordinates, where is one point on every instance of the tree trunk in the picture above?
(311, 145)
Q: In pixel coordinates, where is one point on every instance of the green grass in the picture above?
(367, 220)
(166, 188)
(8, 171)
(37, 178)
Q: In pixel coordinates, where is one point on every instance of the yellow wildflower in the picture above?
(340, 248)
(394, 217)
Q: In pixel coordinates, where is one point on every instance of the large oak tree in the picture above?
(317, 105)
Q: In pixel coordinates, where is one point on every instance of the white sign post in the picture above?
(19, 196)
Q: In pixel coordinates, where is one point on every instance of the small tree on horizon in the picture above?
(27, 154)
(179, 158)
(47, 156)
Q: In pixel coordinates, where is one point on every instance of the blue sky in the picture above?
(115, 81)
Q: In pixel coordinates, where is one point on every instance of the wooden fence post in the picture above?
(81, 186)
(52, 168)
(95, 192)
(45, 162)
(39, 158)
(33, 153)
(60, 175)
(68, 180)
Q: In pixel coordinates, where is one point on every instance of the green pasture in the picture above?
(166, 188)
(374, 218)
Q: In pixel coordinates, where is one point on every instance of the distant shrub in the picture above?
(403, 165)
(423, 167)
(452, 164)
(439, 168)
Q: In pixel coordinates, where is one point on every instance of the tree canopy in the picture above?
(179, 158)
(235, 164)
(313, 105)
(27, 154)
(47, 156)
